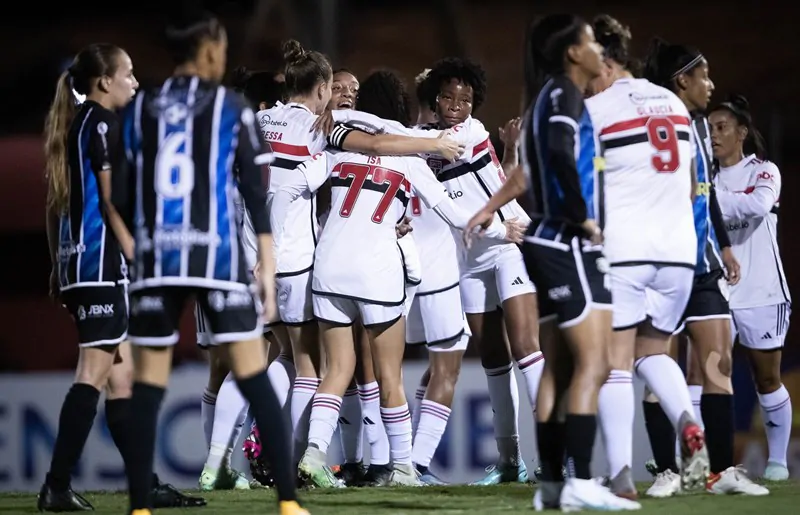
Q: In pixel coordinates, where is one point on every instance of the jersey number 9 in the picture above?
(174, 170)
(662, 136)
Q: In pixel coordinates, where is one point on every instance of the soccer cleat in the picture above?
(694, 455)
(164, 495)
(224, 478)
(404, 475)
(504, 473)
(666, 484)
(313, 470)
(378, 475)
(67, 500)
(547, 496)
(351, 473)
(622, 485)
(292, 508)
(587, 494)
(427, 477)
(733, 480)
(776, 472)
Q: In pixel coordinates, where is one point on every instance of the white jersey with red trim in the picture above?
(748, 194)
(357, 255)
(647, 147)
(287, 129)
(436, 245)
(471, 180)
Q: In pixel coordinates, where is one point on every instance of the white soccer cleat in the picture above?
(667, 484)
(405, 475)
(734, 480)
(223, 478)
(776, 472)
(588, 494)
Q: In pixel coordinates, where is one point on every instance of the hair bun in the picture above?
(292, 51)
(740, 102)
(608, 26)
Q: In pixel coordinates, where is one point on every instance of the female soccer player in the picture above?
(685, 72)
(89, 274)
(563, 253)
(748, 190)
(287, 128)
(181, 142)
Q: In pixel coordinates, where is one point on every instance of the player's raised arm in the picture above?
(355, 140)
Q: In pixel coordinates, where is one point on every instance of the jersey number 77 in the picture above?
(375, 178)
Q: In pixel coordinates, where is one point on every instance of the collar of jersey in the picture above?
(299, 106)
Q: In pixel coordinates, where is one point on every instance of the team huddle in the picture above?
(314, 214)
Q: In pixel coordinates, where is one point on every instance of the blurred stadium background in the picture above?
(749, 45)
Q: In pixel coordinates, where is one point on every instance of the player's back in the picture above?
(183, 138)
(357, 255)
(646, 144)
(436, 244)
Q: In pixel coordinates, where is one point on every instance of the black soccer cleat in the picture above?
(352, 474)
(378, 475)
(59, 501)
(164, 495)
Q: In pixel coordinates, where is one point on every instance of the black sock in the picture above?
(272, 428)
(662, 436)
(717, 411)
(550, 439)
(74, 425)
(145, 403)
(580, 433)
(118, 415)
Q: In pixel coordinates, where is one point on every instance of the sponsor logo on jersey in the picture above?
(267, 120)
(735, 226)
(455, 194)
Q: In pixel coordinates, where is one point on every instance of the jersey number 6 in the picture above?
(373, 178)
(174, 170)
(662, 136)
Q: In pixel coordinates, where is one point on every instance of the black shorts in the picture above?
(707, 300)
(230, 315)
(100, 313)
(569, 279)
(201, 328)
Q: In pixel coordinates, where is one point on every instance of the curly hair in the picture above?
(383, 94)
(464, 71)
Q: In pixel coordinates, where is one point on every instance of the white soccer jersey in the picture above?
(748, 194)
(436, 246)
(470, 180)
(646, 142)
(287, 129)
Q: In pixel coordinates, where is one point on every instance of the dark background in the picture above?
(751, 47)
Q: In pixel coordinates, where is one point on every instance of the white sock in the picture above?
(615, 412)
(303, 391)
(281, 375)
(695, 392)
(350, 427)
(370, 396)
(432, 423)
(230, 405)
(207, 408)
(504, 397)
(418, 396)
(665, 379)
(234, 443)
(532, 367)
(397, 422)
(776, 412)
(324, 415)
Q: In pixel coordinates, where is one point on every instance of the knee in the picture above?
(120, 382)
(767, 382)
(445, 377)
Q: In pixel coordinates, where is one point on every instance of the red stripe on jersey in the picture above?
(636, 123)
(480, 147)
(288, 148)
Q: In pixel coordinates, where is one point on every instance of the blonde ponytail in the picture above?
(56, 132)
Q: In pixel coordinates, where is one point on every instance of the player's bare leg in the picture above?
(488, 335)
(665, 379)
(75, 423)
(765, 365)
(387, 342)
(379, 470)
(341, 361)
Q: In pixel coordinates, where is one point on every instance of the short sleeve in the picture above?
(564, 105)
(104, 144)
(316, 170)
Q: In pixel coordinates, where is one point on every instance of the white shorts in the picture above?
(659, 292)
(485, 291)
(437, 320)
(343, 312)
(761, 328)
(294, 298)
(411, 263)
